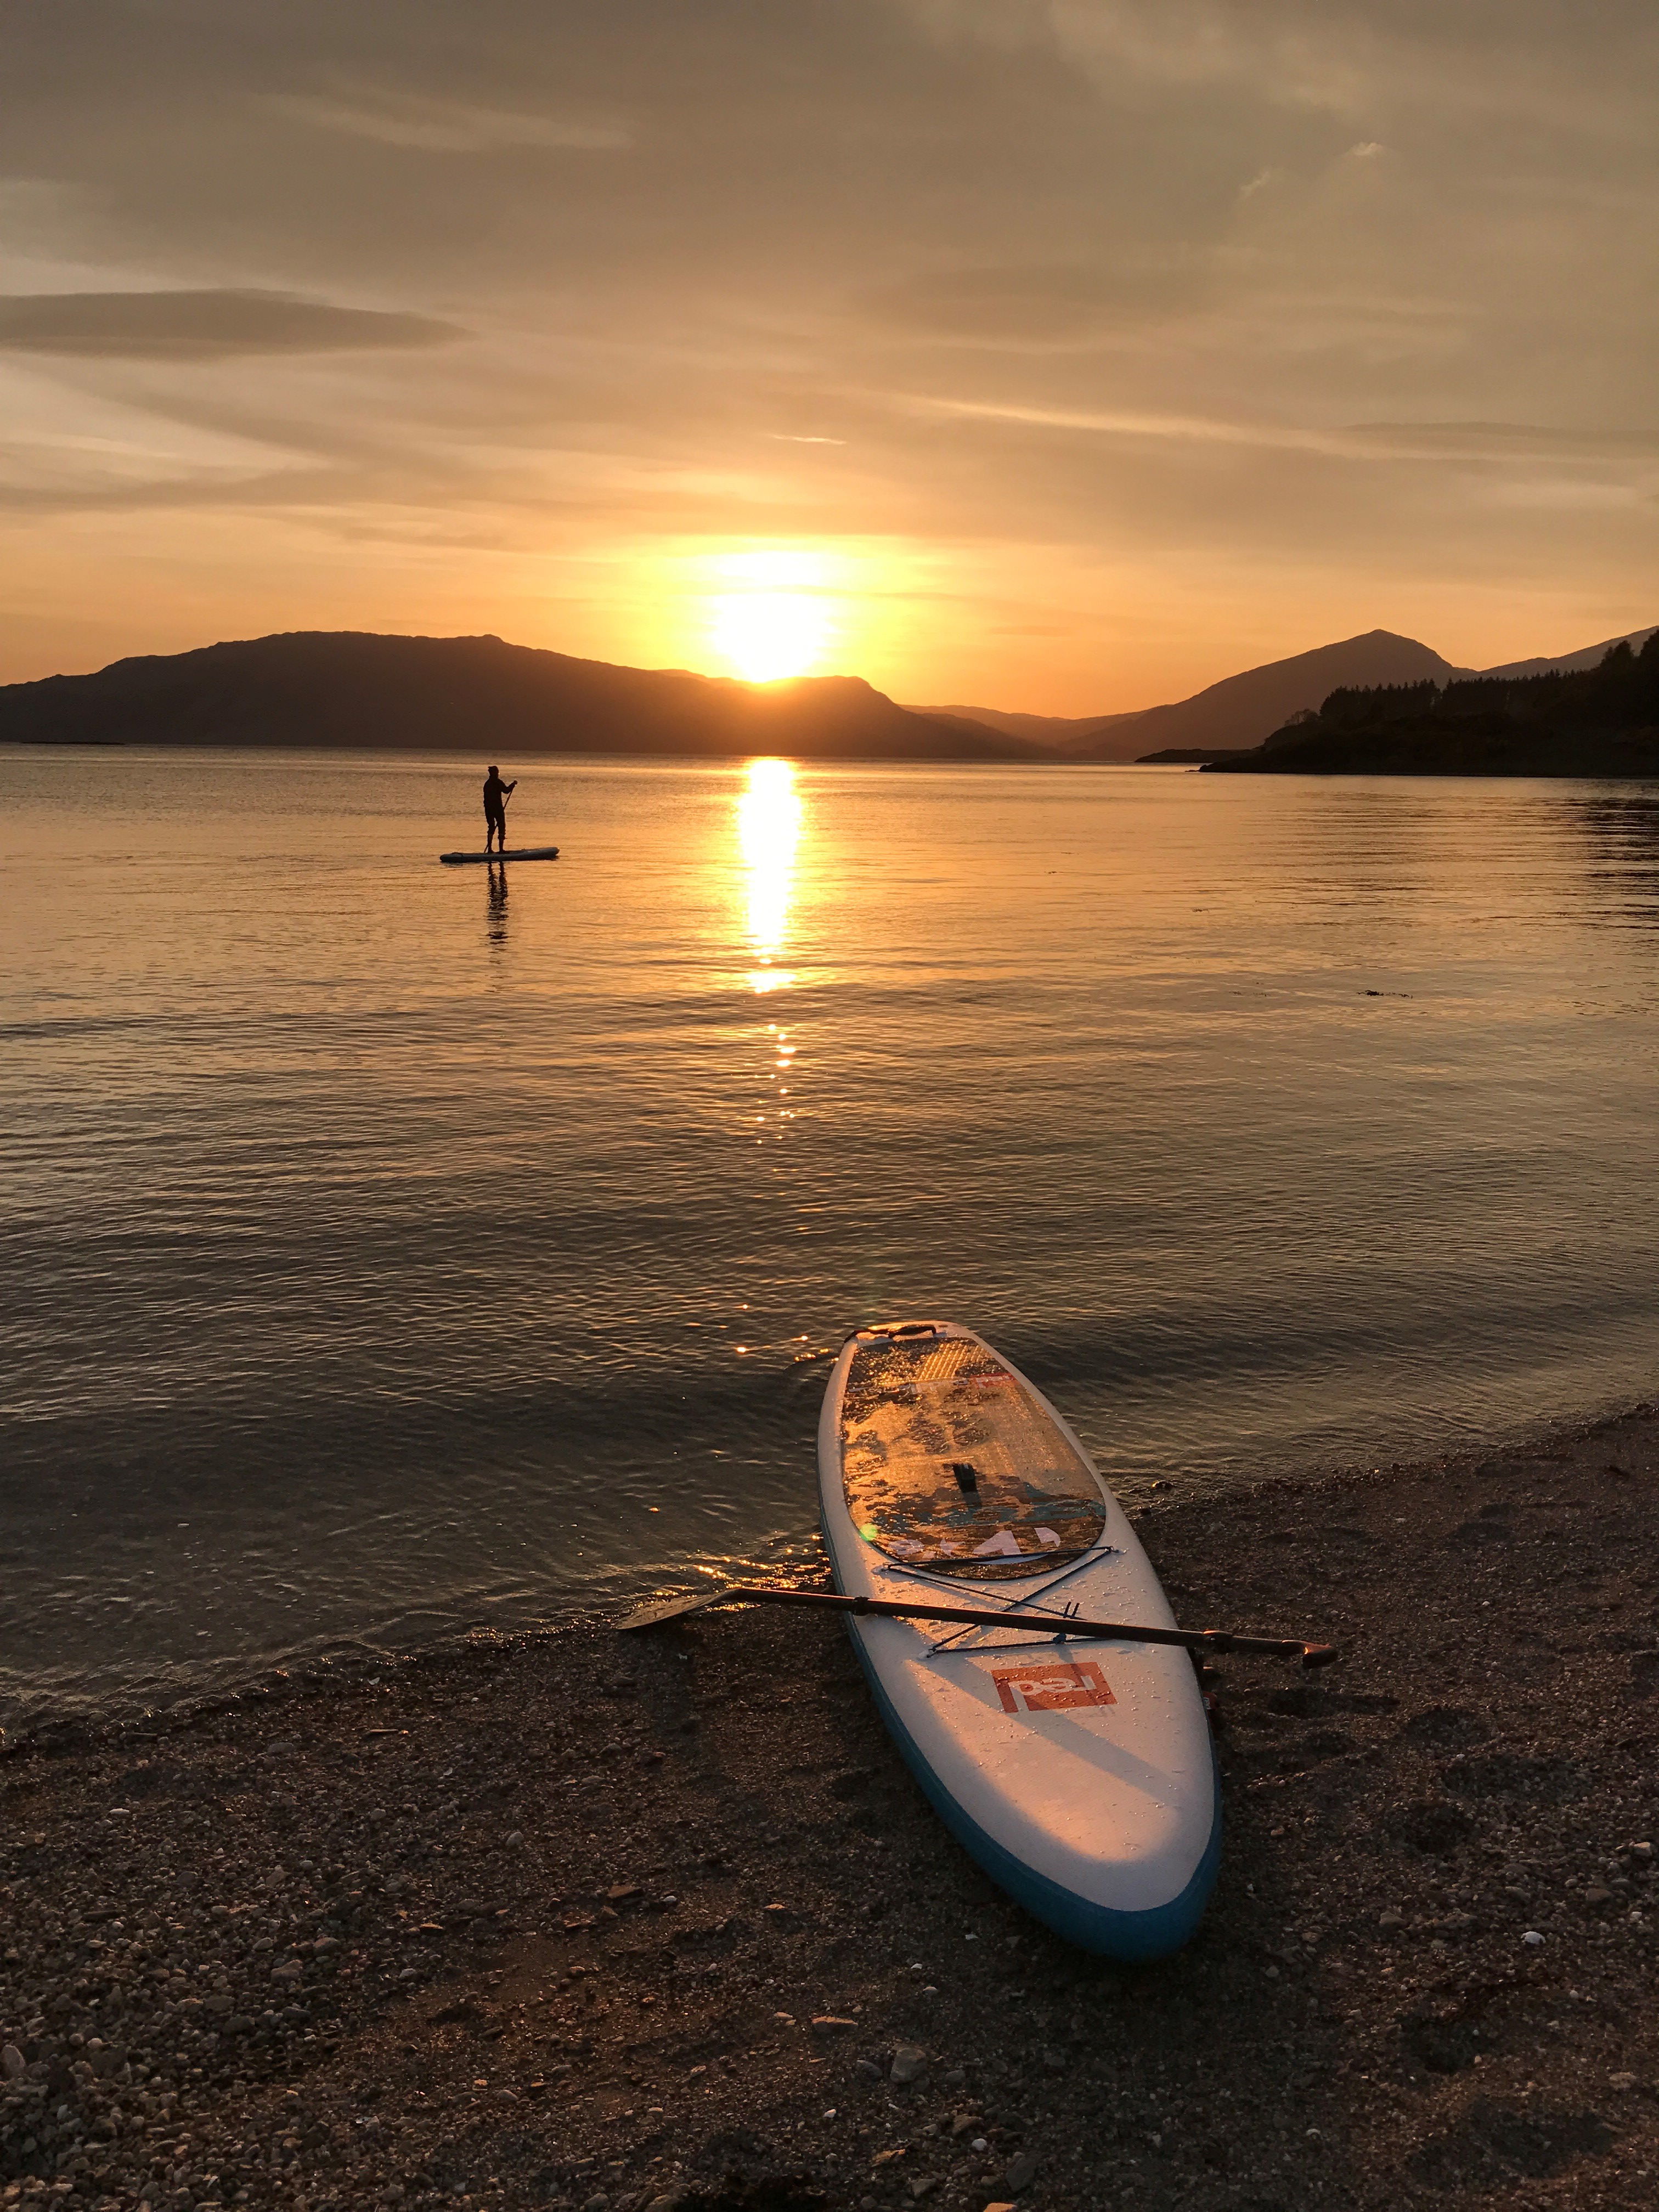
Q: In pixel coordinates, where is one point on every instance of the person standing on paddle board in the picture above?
(495, 796)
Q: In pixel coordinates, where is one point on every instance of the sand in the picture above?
(591, 1921)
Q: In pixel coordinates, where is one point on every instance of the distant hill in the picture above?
(1598, 721)
(358, 687)
(1237, 713)
(1053, 733)
(1563, 664)
(473, 694)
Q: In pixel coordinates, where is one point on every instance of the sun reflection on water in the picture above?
(769, 833)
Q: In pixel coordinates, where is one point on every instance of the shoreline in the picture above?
(560, 1918)
(341, 1661)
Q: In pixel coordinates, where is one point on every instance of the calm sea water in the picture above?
(387, 1249)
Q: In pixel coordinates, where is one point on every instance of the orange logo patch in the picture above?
(1052, 1689)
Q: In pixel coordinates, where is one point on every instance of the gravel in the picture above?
(496, 1928)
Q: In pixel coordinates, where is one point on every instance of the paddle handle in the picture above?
(1206, 1640)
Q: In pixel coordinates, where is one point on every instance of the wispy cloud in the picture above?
(446, 126)
(202, 325)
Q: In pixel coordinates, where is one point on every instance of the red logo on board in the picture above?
(1052, 1689)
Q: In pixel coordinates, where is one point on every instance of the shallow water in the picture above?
(389, 1248)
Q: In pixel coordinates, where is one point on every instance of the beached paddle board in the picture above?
(518, 852)
(1080, 1774)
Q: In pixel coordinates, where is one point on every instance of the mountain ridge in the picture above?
(364, 688)
(1240, 712)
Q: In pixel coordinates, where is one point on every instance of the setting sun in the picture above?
(768, 634)
(773, 618)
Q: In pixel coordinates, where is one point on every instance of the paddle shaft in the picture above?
(1192, 1639)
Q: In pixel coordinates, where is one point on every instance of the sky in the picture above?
(1062, 356)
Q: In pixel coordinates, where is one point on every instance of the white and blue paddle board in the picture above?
(1080, 1774)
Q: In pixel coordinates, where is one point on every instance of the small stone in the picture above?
(218, 2004)
(830, 2023)
(515, 1840)
(1532, 1939)
(1595, 1894)
(1392, 1919)
(289, 1971)
(1022, 2171)
(12, 2062)
(599, 2204)
(978, 2143)
(623, 1892)
(956, 2079)
(910, 2063)
(920, 2185)
(784, 2019)
(1622, 2082)
(886, 2157)
(867, 2070)
(1641, 1850)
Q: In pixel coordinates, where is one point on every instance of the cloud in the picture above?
(1037, 303)
(1189, 338)
(202, 325)
(446, 126)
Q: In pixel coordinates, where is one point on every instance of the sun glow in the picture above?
(775, 619)
(768, 634)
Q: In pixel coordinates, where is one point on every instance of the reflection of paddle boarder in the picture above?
(494, 797)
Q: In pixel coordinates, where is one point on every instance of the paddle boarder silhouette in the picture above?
(494, 798)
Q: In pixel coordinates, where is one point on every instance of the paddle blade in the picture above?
(673, 1609)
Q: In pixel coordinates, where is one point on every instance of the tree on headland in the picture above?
(1589, 722)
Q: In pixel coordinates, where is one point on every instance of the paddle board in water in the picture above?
(518, 852)
(1079, 1773)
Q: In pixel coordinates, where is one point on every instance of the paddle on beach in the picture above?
(1203, 1641)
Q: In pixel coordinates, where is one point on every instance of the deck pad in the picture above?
(950, 1461)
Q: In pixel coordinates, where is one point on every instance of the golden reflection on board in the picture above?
(768, 833)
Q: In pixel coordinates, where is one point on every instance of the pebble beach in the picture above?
(631, 1924)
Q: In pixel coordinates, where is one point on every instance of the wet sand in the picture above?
(589, 1920)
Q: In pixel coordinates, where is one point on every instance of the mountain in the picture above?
(1237, 713)
(474, 695)
(1563, 664)
(1053, 733)
(1577, 721)
(357, 688)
